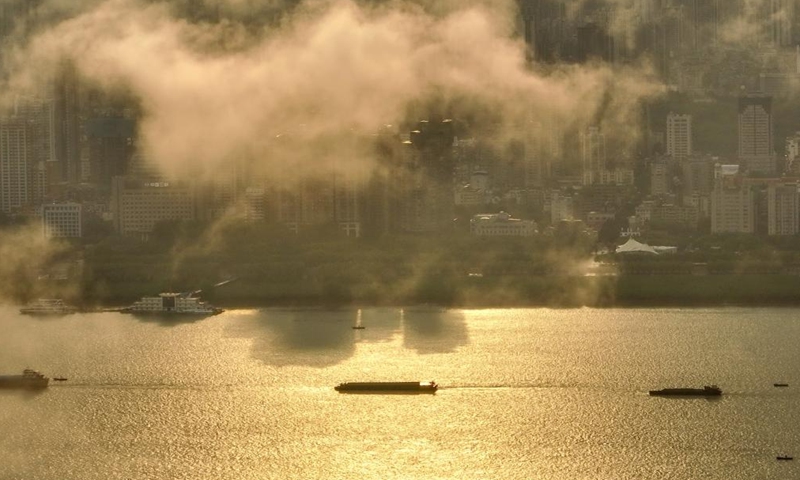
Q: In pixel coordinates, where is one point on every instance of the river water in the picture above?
(526, 394)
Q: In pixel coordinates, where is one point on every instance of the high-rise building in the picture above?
(562, 207)
(755, 134)
(37, 114)
(546, 29)
(110, 146)
(426, 181)
(312, 200)
(347, 203)
(732, 202)
(66, 107)
(783, 209)
(594, 42)
(542, 147)
(255, 204)
(62, 220)
(704, 23)
(14, 153)
(659, 179)
(698, 174)
(593, 155)
(679, 135)
(779, 20)
(139, 204)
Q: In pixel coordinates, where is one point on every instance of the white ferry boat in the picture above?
(172, 304)
(47, 306)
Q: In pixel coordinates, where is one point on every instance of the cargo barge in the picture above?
(706, 391)
(387, 387)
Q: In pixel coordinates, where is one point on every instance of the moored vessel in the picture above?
(706, 391)
(30, 379)
(387, 387)
(47, 306)
(172, 304)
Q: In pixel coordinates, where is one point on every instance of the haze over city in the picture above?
(399, 239)
(165, 126)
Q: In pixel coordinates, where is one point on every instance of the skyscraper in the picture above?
(732, 202)
(13, 163)
(109, 144)
(67, 122)
(546, 28)
(779, 19)
(755, 134)
(704, 23)
(679, 135)
(37, 115)
(593, 155)
(783, 209)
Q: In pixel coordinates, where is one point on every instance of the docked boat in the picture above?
(172, 304)
(387, 387)
(47, 306)
(706, 391)
(30, 379)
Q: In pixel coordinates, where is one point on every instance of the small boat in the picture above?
(387, 387)
(706, 391)
(59, 379)
(781, 384)
(358, 327)
(784, 457)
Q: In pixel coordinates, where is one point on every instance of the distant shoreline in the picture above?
(509, 291)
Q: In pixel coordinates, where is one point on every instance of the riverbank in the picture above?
(505, 291)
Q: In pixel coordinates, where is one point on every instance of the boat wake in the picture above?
(496, 386)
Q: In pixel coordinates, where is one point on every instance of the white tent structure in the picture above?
(632, 246)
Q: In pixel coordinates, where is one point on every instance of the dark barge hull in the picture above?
(387, 387)
(686, 392)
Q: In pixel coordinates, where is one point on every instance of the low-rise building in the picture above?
(470, 196)
(673, 214)
(501, 225)
(596, 220)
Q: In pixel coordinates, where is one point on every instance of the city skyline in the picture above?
(348, 116)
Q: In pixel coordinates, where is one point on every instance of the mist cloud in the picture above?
(26, 255)
(215, 92)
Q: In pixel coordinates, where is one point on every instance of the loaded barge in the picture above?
(706, 391)
(387, 387)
